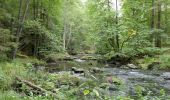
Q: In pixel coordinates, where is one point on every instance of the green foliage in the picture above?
(162, 92)
(89, 27)
(10, 95)
(164, 61)
(8, 73)
(5, 43)
(38, 37)
(18, 67)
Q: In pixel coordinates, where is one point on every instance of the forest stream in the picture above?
(150, 82)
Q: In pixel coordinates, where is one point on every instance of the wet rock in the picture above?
(132, 66)
(75, 70)
(79, 60)
(166, 75)
(96, 70)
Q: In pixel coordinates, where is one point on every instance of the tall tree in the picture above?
(20, 21)
(117, 35)
(152, 20)
(158, 37)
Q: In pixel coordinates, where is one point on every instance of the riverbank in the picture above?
(97, 81)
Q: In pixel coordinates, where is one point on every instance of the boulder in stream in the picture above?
(166, 75)
(132, 66)
(80, 71)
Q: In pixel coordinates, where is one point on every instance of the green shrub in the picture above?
(47, 41)
(9, 95)
(164, 61)
(5, 43)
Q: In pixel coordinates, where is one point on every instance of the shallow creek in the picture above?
(152, 81)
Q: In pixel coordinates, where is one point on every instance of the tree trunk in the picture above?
(117, 35)
(69, 37)
(64, 36)
(158, 37)
(65, 27)
(166, 17)
(37, 12)
(17, 33)
(152, 21)
(19, 30)
(108, 5)
(34, 9)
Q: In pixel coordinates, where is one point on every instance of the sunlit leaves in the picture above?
(86, 92)
(132, 32)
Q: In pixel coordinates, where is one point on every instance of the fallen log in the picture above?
(35, 86)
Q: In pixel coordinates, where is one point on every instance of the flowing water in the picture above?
(152, 81)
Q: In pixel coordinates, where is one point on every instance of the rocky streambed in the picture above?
(120, 81)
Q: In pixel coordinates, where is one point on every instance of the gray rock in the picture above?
(132, 66)
(166, 75)
(79, 60)
(75, 70)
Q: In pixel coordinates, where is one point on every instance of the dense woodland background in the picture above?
(44, 27)
(38, 32)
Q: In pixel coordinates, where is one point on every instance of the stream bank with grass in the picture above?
(79, 78)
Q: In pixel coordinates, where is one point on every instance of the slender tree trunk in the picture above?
(64, 36)
(166, 17)
(158, 37)
(108, 5)
(41, 11)
(34, 9)
(65, 27)
(69, 37)
(19, 30)
(37, 9)
(117, 35)
(152, 21)
(19, 24)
